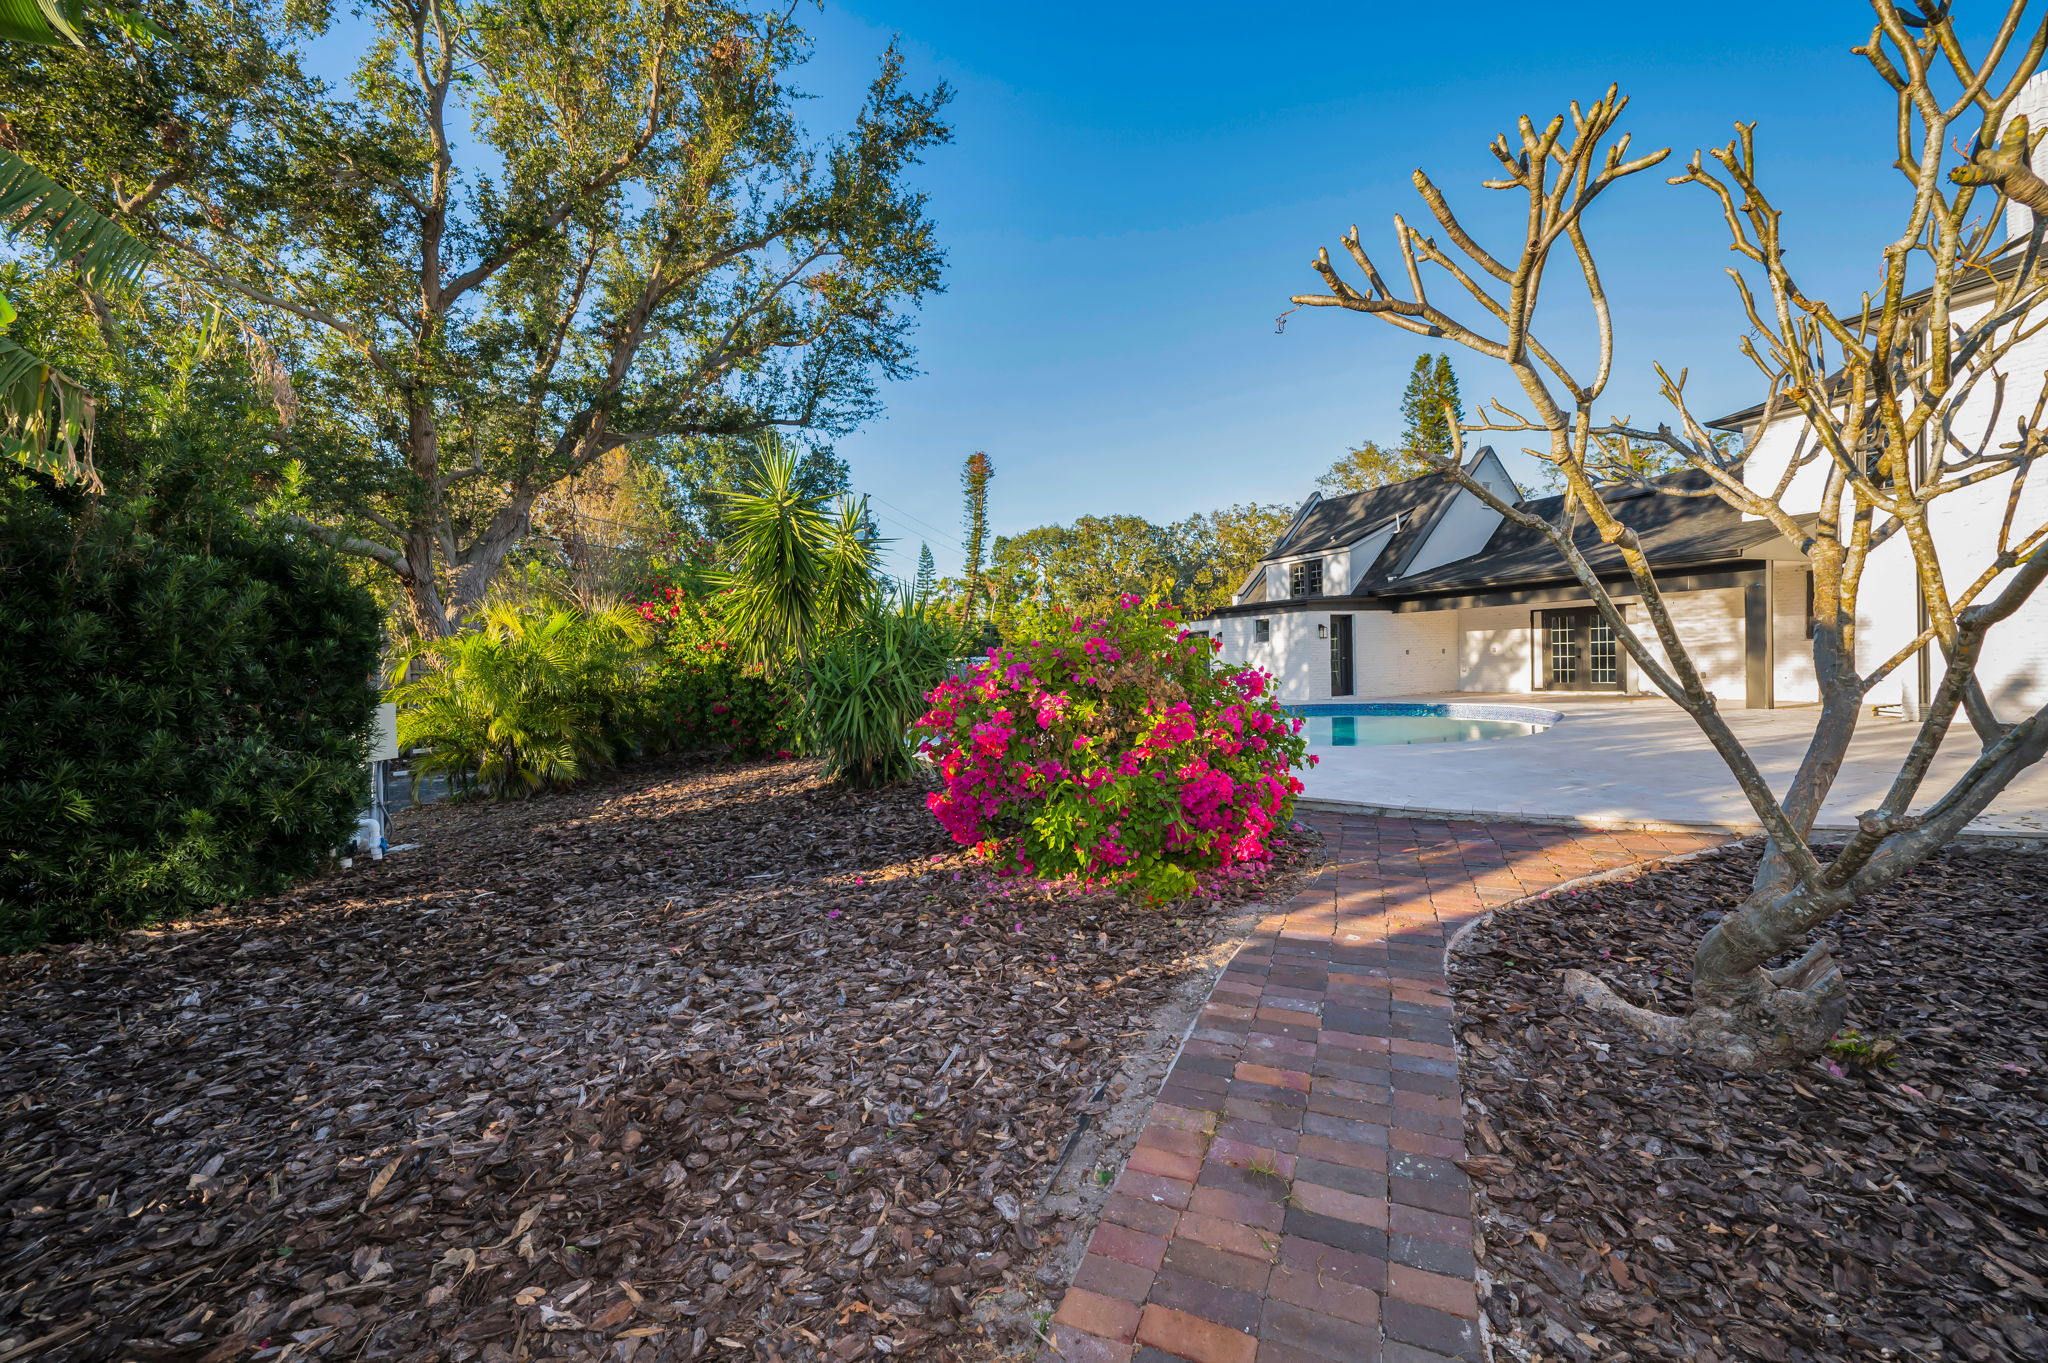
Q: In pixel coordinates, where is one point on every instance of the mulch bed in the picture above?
(1638, 1205)
(699, 1062)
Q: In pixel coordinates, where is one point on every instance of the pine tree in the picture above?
(1432, 386)
(975, 480)
(926, 583)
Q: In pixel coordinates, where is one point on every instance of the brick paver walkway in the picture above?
(1293, 1197)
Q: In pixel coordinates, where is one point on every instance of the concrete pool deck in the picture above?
(1617, 762)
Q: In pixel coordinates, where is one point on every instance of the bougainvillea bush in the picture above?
(1117, 752)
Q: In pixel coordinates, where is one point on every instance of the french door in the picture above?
(1579, 651)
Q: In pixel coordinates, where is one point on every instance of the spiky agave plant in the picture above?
(866, 684)
(531, 696)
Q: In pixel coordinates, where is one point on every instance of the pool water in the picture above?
(1373, 731)
(1375, 724)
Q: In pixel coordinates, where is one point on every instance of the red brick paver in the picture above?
(1295, 1196)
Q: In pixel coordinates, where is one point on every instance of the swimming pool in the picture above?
(1373, 724)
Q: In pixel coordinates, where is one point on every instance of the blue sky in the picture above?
(1135, 189)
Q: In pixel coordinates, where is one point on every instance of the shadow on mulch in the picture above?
(693, 1062)
(1638, 1205)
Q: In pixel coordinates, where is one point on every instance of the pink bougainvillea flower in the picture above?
(1188, 775)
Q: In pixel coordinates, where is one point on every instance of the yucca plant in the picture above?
(795, 570)
(867, 684)
(530, 696)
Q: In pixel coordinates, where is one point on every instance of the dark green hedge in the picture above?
(180, 725)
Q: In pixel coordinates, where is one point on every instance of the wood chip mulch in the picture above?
(1636, 1205)
(698, 1062)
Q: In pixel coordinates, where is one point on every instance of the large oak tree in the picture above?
(529, 235)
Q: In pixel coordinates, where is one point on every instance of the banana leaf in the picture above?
(103, 251)
(45, 418)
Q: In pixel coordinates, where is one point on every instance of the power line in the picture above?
(907, 537)
(920, 521)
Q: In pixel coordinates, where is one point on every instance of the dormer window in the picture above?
(1305, 578)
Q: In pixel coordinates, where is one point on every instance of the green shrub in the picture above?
(867, 685)
(528, 696)
(712, 706)
(702, 698)
(178, 729)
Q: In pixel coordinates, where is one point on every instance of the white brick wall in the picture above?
(1299, 662)
(1792, 681)
(1493, 649)
(2014, 669)
(1405, 654)
(1495, 643)
(1483, 649)
(1710, 624)
(1392, 655)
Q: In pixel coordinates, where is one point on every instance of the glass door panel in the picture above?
(1562, 629)
(1581, 651)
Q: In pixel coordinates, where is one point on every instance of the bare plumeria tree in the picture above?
(1879, 392)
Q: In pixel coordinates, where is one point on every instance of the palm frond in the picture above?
(45, 418)
(527, 697)
(852, 573)
(777, 553)
(55, 23)
(52, 23)
(103, 251)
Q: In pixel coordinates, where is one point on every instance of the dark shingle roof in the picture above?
(1335, 522)
(1675, 531)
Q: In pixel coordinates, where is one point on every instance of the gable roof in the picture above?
(1329, 523)
(1674, 531)
(1335, 522)
(1326, 523)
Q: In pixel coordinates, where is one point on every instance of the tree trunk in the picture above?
(486, 553)
(423, 589)
(1746, 1016)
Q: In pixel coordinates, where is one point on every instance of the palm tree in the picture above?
(529, 697)
(45, 416)
(852, 575)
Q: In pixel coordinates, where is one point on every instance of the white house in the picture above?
(1421, 588)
